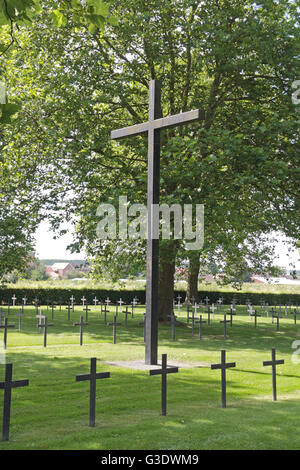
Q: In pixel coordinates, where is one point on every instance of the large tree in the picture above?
(234, 60)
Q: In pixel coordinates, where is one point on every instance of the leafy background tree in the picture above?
(234, 60)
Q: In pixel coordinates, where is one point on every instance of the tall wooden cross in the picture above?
(153, 128)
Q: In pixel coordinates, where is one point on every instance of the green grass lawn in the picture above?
(52, 412)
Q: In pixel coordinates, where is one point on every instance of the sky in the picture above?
(49, 248)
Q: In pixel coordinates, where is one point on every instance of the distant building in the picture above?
(58, 270)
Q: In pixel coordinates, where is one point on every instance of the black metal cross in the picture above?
(126, 312)
(20, 314)
(52, 310)
(200, 321)
(69, 308)
(45, 325)
(225, 321)
(81, 324)
(173, 325)
(273, 363)
(5, 327)
(105, 312)
(86, 309)
(231, 313)
(188, 309)
(163, 372)
(36, 304)
(153, 127)
(255, 315)
(7, 385)
(114, 324)
(143, 323)
(223, 366)
(277, 320)
(92, 377)
(295, 313)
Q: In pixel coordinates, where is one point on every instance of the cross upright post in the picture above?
(153, 127)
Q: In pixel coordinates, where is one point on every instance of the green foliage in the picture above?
(232, 60)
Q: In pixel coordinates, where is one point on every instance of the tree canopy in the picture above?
(234, 60)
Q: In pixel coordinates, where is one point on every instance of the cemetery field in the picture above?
(53, 411)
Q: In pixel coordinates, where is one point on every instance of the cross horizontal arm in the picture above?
(223, 366)
(176, 120)
(271, 363)
(137, 129)
(103, 375)
(82, 377)
(169, 370)
(99, 375)
(162, 123)
(15, 384)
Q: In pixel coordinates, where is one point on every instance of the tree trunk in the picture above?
(166, 280)
(192, 282)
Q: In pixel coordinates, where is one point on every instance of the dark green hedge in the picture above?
(57, 295)
(63, 295)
